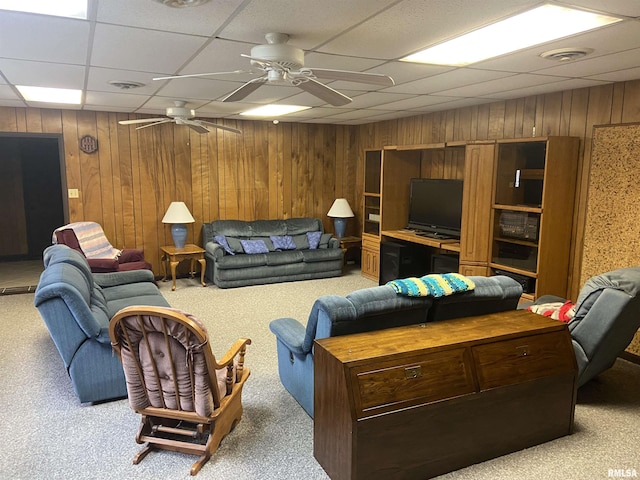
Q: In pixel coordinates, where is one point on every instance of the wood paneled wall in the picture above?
(289, 169)
(270, 171)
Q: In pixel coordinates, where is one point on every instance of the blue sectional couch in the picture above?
(374, 309)
(77, 306)
(240, 253)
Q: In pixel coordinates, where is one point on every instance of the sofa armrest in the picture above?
(290, 332)
(333, 243)
(123, 278)
(215, 250)
(103, 265)
(129, 255)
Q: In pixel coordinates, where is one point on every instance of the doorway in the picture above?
(31, 189)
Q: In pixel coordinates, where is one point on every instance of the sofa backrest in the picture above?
(381, 307)
(68, 300)
(490, 295)
(259, 228)
(606, 320)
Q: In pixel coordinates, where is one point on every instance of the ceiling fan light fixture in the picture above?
(182, 3)
(566, 54)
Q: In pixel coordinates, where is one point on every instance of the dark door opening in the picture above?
(31, 186)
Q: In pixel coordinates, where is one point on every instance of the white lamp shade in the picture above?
(340, 209)
(178, 213)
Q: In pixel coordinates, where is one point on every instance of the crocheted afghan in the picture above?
(92, 240)
(435, 285)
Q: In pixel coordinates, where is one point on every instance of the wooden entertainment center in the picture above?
(517, 206)
(419, 401)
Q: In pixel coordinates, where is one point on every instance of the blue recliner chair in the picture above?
(607, 316)
(374, 309)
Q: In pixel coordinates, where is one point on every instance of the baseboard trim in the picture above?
(631, 357)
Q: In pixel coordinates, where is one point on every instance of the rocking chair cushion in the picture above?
(184, 348)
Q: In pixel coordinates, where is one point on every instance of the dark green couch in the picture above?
(231, 266)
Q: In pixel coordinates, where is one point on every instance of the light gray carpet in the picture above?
(45, 433)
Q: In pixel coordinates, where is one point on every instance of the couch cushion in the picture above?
(252, 247)
(284, 257)
(283, 242)
(321, 255)
(301, 242)
(229, 262)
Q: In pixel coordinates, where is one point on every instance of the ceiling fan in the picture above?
(279, 63)
(180, 115)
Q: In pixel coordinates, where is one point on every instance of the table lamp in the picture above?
(340, 211)
(178, 214)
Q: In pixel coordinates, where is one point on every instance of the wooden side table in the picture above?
(349, 243)
(173, 256)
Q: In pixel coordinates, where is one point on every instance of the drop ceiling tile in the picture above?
(404, 72)
(45, 38)
(204, 20)
(560, 86)
(375, 99)
(414, 102)
(7, 93)
(196, 88)
(456, 78)
(115, 100)
(220, 56)
(615, 7)
(130, 48)
(308, 22)
(619, 75)
(339, 62)
(511, 82)
(43, 74)
(223, 109)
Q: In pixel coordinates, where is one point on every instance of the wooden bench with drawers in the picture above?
(423, 400)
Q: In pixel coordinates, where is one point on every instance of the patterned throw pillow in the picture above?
(222, 241)
(314, 239)
(254, 246)
(284, 242)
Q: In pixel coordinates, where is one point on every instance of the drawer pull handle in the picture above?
(412, 372)
(523, 351)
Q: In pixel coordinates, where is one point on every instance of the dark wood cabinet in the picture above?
(419, 401)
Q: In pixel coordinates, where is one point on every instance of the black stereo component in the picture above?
(528, 283)
(399, 260)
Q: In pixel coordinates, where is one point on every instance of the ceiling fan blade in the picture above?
(221, 127)
(244, 90)
(349, 76)
(204, 74)
(141, 120)
(164, 120)
(321, 91)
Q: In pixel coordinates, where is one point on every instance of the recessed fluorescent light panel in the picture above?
(59, 8)
(273, 110)
(540, 25)
(50, 95)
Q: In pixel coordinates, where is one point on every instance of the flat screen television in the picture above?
(435, 207)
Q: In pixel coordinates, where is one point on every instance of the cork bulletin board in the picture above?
(612, 223)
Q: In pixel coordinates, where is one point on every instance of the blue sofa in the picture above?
(76, 307)
(374, 309)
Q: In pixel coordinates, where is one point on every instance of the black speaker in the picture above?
(399, 260)
(444, 263)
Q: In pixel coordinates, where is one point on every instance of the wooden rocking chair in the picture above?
(188, 401)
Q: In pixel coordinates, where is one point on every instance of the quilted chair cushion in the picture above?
(185, 348)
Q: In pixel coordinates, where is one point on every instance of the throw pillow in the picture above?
(254, 246)
(235, 245)
(324, 240)
(283, 242)
(314, 239)
(301, 241)
(222, 241)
